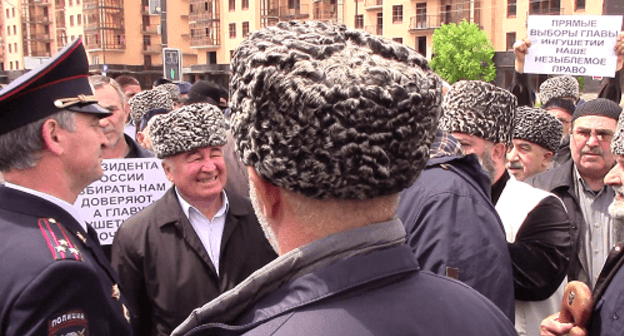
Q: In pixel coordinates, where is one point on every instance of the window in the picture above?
(14, 30)
(71, 20)
(398, 39)
(359, 21)
(245, 28)
(511, 39)
(7, 13)
(231, 54)
(13, 12)
(77, 2)
(79, 19)
(397, 14)
(511, 8)
(70, 2)
(545, 7)
(421, 15)
(8, 30)
(96, 59)
(17, 65)
(11, 65)
(10, 48)
(73, 37)
(15, 46)
(232, 5)
(232, 30)
(245, 4)
(579, 4)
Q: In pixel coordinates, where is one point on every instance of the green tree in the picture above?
(462, 51)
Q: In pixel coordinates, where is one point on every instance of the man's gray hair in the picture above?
(22, 148)
(98, 81)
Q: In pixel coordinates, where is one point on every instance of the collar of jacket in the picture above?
(558, 178)
(295, 264)
(165, 216)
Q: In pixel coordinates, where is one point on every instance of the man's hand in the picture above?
(619, 51)
(551, 326)
(521, 48)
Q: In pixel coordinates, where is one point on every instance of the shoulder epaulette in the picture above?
(59, 242)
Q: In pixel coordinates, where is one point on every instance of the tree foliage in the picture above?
(462, 51)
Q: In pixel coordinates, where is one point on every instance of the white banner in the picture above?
(577, 45)
(127, 186)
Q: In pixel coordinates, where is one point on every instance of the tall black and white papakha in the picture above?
(333, 123)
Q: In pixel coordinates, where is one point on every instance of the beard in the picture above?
(488, 164)
(264, 223)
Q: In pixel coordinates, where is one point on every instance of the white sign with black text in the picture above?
(577, 45)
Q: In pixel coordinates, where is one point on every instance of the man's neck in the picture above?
(52, 183)
(595, 184)
(120, 150)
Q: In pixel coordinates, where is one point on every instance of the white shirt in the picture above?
(70, 208)
(209, 231)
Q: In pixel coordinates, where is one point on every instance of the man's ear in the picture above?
(269, 196)
(53, 135)
(499, 152)
(548, 155)
(168, 169)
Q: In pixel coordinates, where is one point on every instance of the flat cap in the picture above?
(481, 109)
(62, 83)
(330, 112)
(186, 128)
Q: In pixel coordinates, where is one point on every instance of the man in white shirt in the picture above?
(198, 240)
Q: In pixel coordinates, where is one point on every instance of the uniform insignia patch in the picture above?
(72, 323)
(116, 292)
(60, 245)
(126, 312)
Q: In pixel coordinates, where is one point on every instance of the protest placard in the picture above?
(577, 45)
(127, 186)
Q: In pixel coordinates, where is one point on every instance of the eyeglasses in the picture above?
(583, 134)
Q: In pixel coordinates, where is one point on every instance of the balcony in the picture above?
(204, 42)
(149, 29)
(374, 29)
(42, 37)
(373, 4)
(425, 22)
(286, 13)
(203, 17)
(43, 19)
(151, 49)
(42, 3)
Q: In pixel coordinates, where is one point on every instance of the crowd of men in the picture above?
(340, 187)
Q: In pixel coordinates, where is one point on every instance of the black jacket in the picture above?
(55, 278)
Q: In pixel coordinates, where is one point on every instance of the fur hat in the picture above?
(147, 100)
(481, 109)
(598, 107)
(559, 87)
(189, 127)
(331, 112)
(539, 127)
(173, 91)
(617, 144)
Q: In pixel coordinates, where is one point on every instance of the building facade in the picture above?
(127, 36)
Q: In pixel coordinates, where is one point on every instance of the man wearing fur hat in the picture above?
(536, 139)
(610, 285)
(580, 184)
(481, 116)
(198, 240)
(331, 137)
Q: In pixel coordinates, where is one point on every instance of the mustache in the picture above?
(618, 189)
(593, 150)
(515, 165)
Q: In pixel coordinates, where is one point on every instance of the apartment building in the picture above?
(128, 35)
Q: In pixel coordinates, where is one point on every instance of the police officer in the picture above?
(55, 279)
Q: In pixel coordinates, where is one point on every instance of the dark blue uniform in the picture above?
(55, 279)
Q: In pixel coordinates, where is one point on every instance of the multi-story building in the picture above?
(127, 35)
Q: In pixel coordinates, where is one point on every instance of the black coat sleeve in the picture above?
(521, 89)
(612, 88)
(541, 252)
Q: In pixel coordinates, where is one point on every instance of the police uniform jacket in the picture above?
(165, 268)
(608, 313)
(55, 279)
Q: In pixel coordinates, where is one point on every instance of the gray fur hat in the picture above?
(559, 87)
(331, 112)
(617, 144)
(172, 89)
(539, 127)
(189, 127)
(479, 108)
(147, 100)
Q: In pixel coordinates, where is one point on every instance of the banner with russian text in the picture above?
(127, 186)
(577, 45)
